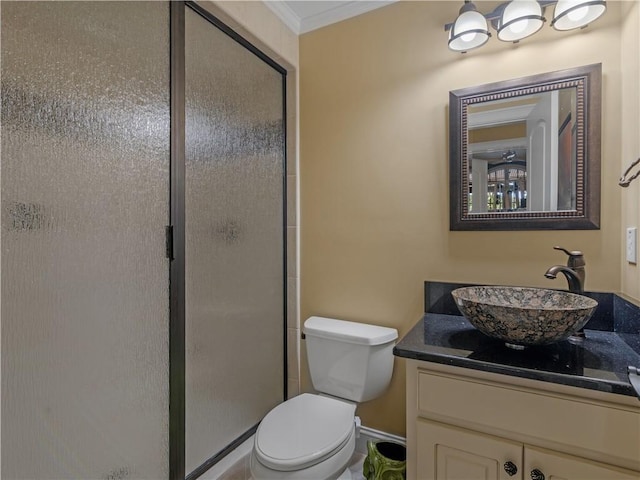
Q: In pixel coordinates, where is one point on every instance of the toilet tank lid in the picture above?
(351, 332)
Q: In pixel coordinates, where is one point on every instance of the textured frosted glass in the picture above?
(85, 159)
(234, 240)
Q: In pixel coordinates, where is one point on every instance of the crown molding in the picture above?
(339, 13)
(284, 13)
(336, 14)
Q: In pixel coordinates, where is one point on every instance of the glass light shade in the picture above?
(570, 14)
(520, 19)
(469, 31)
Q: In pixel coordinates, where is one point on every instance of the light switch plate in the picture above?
(632, 251)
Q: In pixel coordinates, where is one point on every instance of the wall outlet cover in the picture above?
(632, 251)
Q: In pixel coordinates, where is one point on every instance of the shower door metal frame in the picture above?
(176, 245)
(176, 239)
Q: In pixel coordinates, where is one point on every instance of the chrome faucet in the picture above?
(574, 270)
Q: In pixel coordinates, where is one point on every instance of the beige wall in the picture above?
(630, 137)
(374, 169)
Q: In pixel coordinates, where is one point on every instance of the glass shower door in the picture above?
(234, 239)
(85, 199)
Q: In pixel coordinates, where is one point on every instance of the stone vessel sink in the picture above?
(524, 316)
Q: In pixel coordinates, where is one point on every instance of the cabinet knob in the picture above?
(537, 474)
(510, 468)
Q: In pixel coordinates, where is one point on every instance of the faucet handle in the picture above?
(576, 257)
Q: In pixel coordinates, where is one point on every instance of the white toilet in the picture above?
(313, 436)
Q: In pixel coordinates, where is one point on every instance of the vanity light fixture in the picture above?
(470, 30)
(518, 19)
(570, 14)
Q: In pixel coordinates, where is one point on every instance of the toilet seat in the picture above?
(303, 431)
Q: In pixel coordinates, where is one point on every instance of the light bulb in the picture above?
(519, 26)
(467, 37)
(469, 31)
(519, 19)
(570, 14)
(578, 14)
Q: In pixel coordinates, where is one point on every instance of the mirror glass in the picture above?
(525, 153)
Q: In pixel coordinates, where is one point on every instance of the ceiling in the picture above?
(302, 16)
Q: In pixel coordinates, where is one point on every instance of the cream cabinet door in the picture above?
(450, 453)
(543, 464)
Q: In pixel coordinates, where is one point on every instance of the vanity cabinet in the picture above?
(465, 424)
(450, 453)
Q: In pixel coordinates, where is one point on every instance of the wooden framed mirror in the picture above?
(525, 153)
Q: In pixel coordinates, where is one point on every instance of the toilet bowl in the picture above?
(308, 437)
(312, 436)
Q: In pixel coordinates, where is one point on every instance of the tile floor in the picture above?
(356, 466)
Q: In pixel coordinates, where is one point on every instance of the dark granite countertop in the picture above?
(599, 362)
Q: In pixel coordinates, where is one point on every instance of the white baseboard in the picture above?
(367, 434)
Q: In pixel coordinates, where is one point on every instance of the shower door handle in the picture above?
(168, 231)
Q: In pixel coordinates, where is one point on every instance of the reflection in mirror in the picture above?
(525, 153)
(522, 153)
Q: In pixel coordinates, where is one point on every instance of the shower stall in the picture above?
(143, 239)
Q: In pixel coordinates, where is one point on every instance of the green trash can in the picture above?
(385, 461)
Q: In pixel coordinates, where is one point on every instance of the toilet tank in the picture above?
(349, 360)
